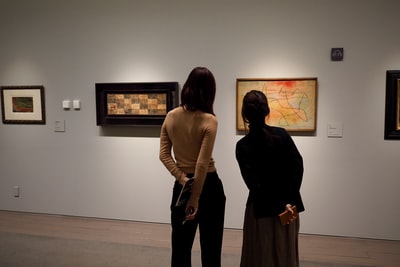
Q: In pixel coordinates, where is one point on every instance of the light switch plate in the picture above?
(66, 104)
(76, 104)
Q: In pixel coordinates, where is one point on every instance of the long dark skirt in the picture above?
(267, 243)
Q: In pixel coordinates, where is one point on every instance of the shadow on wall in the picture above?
(130, 131)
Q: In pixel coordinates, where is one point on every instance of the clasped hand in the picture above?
(292, 213)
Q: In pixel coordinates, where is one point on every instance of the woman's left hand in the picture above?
(289, 208)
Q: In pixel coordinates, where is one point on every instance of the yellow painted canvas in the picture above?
(293, 102)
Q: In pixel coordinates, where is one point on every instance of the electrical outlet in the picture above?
(16, 191)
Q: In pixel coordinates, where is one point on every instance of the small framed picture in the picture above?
(23, 104)
(135, 103)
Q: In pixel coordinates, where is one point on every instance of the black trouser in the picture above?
(209, 218)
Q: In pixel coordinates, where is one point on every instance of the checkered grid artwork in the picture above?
(137, 104)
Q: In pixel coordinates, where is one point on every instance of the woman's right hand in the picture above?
(190, 213)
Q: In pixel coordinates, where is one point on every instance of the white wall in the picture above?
(350, 184)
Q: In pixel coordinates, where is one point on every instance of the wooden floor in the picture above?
(369, 252)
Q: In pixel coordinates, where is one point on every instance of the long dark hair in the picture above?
(198, 92)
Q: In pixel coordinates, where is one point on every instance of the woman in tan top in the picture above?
(190, 131)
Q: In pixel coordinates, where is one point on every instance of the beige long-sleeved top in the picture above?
(191, 136)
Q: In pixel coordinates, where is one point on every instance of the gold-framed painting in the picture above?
(292, 101)
(23, 104)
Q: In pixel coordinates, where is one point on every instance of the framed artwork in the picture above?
(293, 102)
(135, 103)
(392, 107)
(23, 104)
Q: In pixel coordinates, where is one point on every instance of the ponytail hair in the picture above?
(255, 108)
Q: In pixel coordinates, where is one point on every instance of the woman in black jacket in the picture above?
(272, 169)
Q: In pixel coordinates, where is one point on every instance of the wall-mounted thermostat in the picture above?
(337, 54)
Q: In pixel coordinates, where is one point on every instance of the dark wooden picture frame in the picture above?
(392, 107)
(135, 103)
(23, 104)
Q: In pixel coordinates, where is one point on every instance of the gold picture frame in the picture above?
(23, 104)
(292, 101)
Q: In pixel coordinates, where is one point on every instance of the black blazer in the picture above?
(272, 170)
